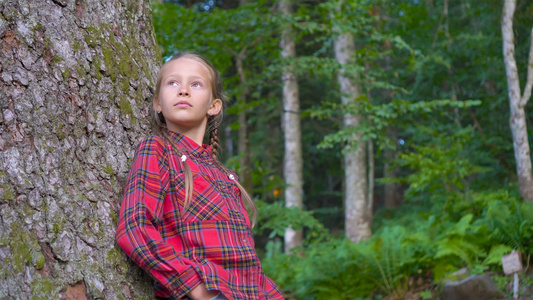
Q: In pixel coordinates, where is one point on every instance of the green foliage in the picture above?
(440, 167)
(378, 117)
(276, 218)
(425, 245)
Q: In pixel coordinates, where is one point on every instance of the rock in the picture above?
(478, 287)
(527, 291)
(458, 275)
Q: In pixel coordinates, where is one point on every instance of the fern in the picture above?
(496, 253)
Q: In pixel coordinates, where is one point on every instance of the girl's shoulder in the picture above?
(152, 143)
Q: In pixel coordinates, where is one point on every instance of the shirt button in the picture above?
(245, 241)
(231, 177)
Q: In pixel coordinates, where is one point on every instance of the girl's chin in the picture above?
(181, 125)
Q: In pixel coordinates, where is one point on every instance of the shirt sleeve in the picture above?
(140, 219)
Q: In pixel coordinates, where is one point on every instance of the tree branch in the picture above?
(251, 45)
(230, 50)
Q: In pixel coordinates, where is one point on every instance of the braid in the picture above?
(213, 142)
(187, 170)
(213, 137)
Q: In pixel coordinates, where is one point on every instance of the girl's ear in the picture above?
(215, 107)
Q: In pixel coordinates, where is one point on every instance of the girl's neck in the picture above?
(196, 134)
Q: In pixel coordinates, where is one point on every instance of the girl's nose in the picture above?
(184, 93)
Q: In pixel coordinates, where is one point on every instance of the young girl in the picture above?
(182, 218)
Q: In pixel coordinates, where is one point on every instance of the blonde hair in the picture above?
(212, 124)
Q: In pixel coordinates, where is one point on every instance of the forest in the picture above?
(386, 143)
(431, 118)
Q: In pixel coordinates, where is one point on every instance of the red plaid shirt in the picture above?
(210, 242)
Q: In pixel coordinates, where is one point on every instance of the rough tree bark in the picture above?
(358, 208)
(292, 162)
(76, 83)
(518, 102)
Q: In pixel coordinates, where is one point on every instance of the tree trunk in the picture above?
(392, 193)
(244, 139)
(76, 82)
(371, 176)
(517, 102)
(292, 165)
(357, 215)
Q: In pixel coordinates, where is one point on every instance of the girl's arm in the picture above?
(138, 231)
(201, 293)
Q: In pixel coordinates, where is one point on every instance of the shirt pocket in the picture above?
(206, 202)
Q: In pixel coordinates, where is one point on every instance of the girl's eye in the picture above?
(173, 83)
(196, 84)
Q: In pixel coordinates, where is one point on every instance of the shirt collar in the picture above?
(187, 144)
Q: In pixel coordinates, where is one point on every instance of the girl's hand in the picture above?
(201, 293)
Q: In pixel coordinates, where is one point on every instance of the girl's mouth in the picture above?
(183, 104)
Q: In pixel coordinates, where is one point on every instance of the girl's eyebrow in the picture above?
(194, 77)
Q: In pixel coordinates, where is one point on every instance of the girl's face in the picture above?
(185, 97)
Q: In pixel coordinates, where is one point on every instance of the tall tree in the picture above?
(518, 101)
(358, 206)
(75, 90)
(292, 165)
(244, 135)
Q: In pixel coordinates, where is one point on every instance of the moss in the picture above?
(94, 268)
(114, 217)
(90, 41)
(59, 131)
(116, 258)
(48, 46)
(76, 45)
(21, 244)
(125, 107)
(114, 255)
(93, 31)
(92, 36)
(37, 27)
(108, 169)
(21, 255)
(43, 289)
(57, 228)
(39, 264)
(56, 59)
(79, 70)
(66, 74)
(125, 86)
(98, 68)
(28, 211)
(48, 42)
(126, 65)
(109, 61)
(7, 192)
